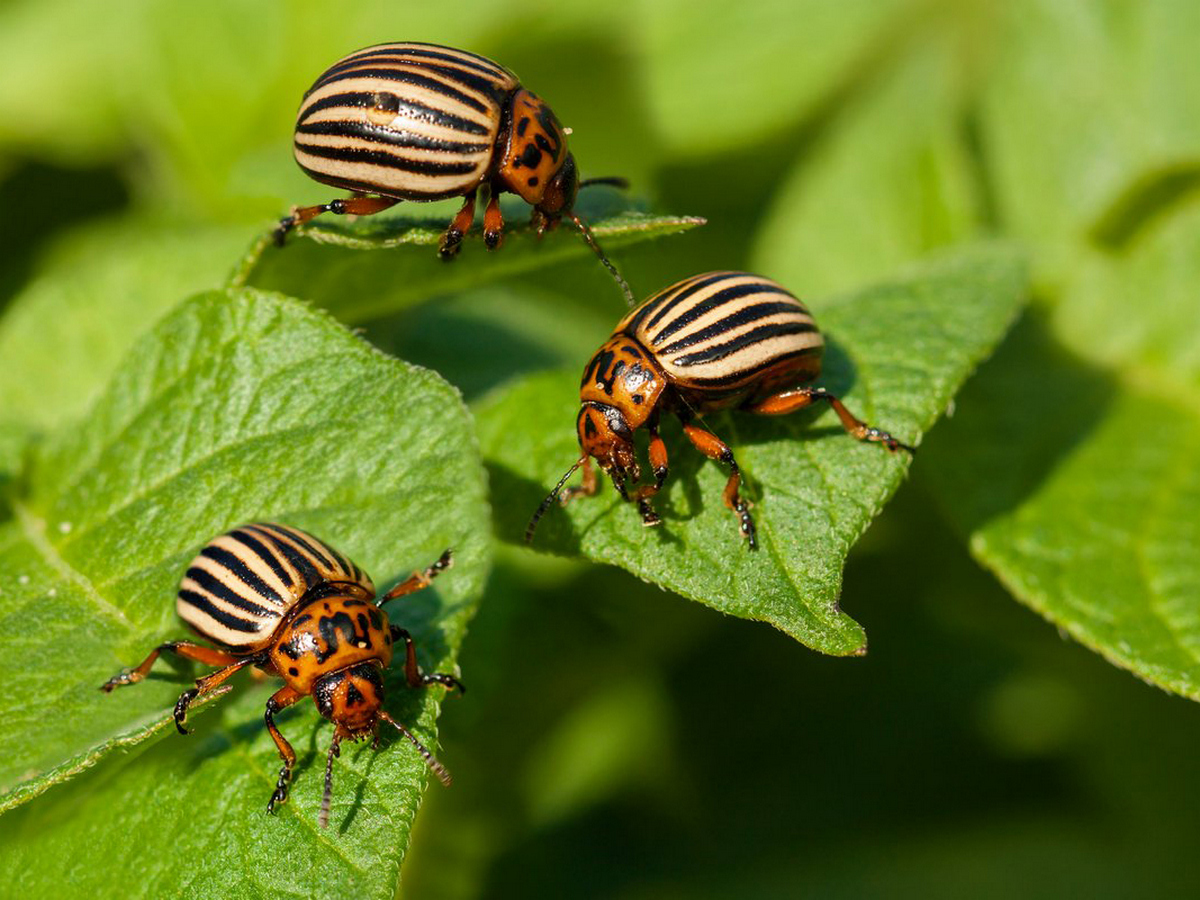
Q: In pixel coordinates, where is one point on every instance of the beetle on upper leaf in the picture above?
(421, 122)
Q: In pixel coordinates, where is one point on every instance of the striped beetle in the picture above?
(412, 121)
(278, 598)
(714, 341)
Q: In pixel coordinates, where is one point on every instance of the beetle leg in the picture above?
(281, 699)
(790, 401)
(458, 227)
(587, 488)
(203, 686)
(658, 464)
(714, 448)
(186, 649)
(413, 673)
(419, 580)
(357, 205)
(493, 222)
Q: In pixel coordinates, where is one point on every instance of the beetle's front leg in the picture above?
(658, 465)
(452, 239)
(281, 699)
(714, 448)
(493, 222)
(587, 487)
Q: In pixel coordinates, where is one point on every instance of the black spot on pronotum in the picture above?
(533, 182)
(331, 628)
(638, 399)
(353, 695)
(293, 671)
(530, 157)
(522, 125)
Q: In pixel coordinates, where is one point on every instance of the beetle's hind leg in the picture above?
(790, 401)
(186, 649)
(358, 205)
(714, 448)
(452, 239)
(418, 581)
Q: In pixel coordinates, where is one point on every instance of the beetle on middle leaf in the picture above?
(720, 340)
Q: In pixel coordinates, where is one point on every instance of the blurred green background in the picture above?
(618, 740)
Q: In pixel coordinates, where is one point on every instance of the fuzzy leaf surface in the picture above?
(238, 406)
(366, 269)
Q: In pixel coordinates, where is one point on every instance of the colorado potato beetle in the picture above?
(715, 341)
(275, 597)
(412, 121)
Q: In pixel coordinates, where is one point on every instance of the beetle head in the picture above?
(604, 434)
(561, 190)
(351, 698)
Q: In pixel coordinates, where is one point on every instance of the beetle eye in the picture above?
(618, 426)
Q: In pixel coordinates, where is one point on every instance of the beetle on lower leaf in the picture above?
(721, 340)
(275, 597)
(422, 122)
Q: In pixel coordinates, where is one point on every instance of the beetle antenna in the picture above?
(430, 760)
(550, 498)
(591, 242)
(334, 750)
(611, 180)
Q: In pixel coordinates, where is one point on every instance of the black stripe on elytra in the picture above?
(406, 76)
(724, 295)
(235, 564)
(311, 545)
(382, 134)
(230, 621)
(394, 56)
(433, 51)
(222, 591)
(743, 316)
(682, 294)
(742, 376)
(409, 109)
(263, 552)
(387, 160)
(309, 576)
(742, 341)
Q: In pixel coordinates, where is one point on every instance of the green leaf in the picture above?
(898, 353)
(857, 207)
(1088, 424)
(764, 66)
(239, 406)
(1093, 517)
(326, 263)
(1085, 100)
(94, 294)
